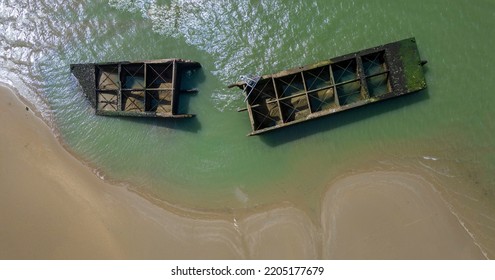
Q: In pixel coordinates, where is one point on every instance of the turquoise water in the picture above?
(208, 162)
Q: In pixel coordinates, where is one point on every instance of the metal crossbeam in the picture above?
(159, 75)
(293, 107)
(382, 81)
(345, 70)
(265, 116)
(259, 91)
(106, 75)
(289, 84)
(158, 101)
(322, 101)
(373, 62)
(251, 81)
(349, 95)
(133, 102)
(134, 74)
(107, 102)
(317, 77)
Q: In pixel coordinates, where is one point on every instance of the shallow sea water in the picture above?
(207, 162)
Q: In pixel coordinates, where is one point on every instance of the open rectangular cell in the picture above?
(265, 115)
(349, 93)
(107, 100)
(374, 63)
(317, 78)
(107, 77)
(160, 75)
(289, 85)
(295, 108)
(132, 76)
(133, 100)
(378, 85)
(264, 90)
(344, 71)
(322, 100)
(159, 101)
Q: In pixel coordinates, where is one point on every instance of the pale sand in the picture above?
(53, 207)
(391, 215)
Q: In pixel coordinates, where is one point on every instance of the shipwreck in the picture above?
(330, 86)
(135, 88)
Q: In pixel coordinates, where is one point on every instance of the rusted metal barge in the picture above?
(135, 88)
(334, 85)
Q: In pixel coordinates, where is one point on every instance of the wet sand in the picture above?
(392, 215)
(53, 207)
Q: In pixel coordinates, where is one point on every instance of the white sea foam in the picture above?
(241, 196)
(430, 158)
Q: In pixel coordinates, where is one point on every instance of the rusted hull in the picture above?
(134, 88)
(338, 84)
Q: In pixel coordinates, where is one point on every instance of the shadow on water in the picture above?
(305, 129)
(192, 78)
(184, 124)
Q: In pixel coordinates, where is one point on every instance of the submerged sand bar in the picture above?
(53, 207)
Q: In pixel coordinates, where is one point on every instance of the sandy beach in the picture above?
(53, 207)
(392, 215)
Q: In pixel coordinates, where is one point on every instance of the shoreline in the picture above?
(59, 209)
(112, 222)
